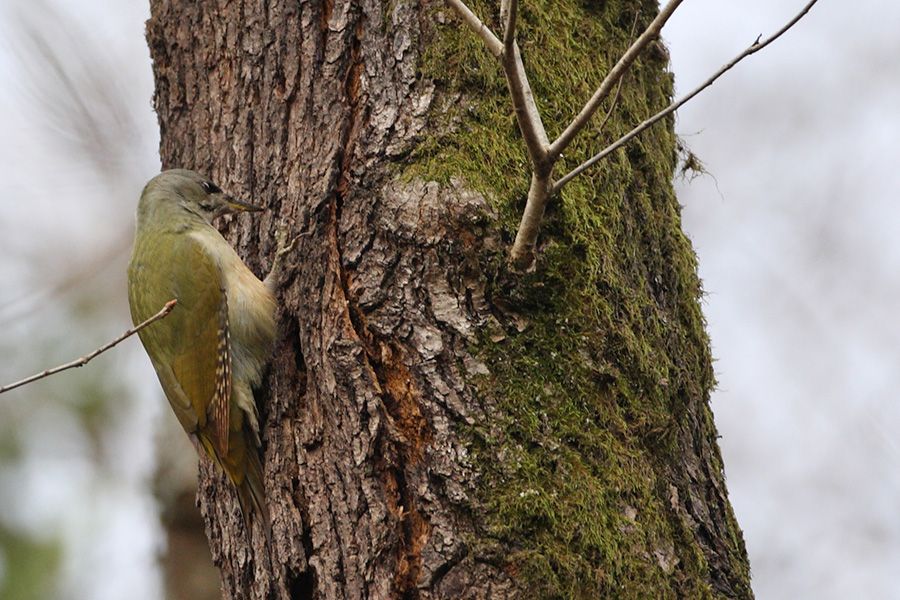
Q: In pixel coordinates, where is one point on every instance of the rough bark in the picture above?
(396, 449)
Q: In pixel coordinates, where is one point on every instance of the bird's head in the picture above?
(192, 192)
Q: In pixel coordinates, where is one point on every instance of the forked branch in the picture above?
(540, 191)
(527, 114)
(543, 154)
(509, 31)
(647, 123)
(615, 74)
(471, 19)
(80, 362)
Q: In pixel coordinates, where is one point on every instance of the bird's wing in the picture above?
(192, 351)
(201, 362)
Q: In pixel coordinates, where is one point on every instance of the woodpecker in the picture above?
(210, 352)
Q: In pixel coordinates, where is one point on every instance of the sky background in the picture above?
(796, 227)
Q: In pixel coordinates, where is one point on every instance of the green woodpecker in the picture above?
(210, 352)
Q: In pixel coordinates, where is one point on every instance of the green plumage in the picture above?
(211, 350)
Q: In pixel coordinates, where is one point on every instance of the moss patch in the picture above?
(591, 392)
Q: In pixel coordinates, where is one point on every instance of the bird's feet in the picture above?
(284, 246)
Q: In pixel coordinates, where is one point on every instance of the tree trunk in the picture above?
(434, 425)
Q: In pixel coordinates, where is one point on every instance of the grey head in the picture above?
(182, 189)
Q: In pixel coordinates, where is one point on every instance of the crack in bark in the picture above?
(302, 585)
(327, 8)
(408, 433)
(412, 436)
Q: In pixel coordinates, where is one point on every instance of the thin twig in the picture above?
(494, 45)
(616, 73)
(80, 362)
(612, 105)
(618, 94)
(752, 49)
(509, 32)
(527, 113)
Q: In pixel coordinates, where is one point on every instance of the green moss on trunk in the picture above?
(582, 475)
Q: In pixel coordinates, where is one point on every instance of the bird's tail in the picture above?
(251, 494)
(244, 469)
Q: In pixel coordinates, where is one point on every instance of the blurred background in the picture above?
(795, 223)
(84, 476)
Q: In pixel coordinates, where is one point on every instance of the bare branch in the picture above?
(612, 105)
(522, 252)
(616, 73)
(509, 32)
(540, 191)
(618, 94)
(752, 49)
(527, 114)
(493, 44)
(80, 362)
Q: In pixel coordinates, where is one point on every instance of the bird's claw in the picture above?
(284, 246)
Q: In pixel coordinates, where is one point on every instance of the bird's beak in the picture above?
(240, 206)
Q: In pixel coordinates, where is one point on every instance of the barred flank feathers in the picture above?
(220, 407)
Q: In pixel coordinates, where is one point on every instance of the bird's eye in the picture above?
(210, 188)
